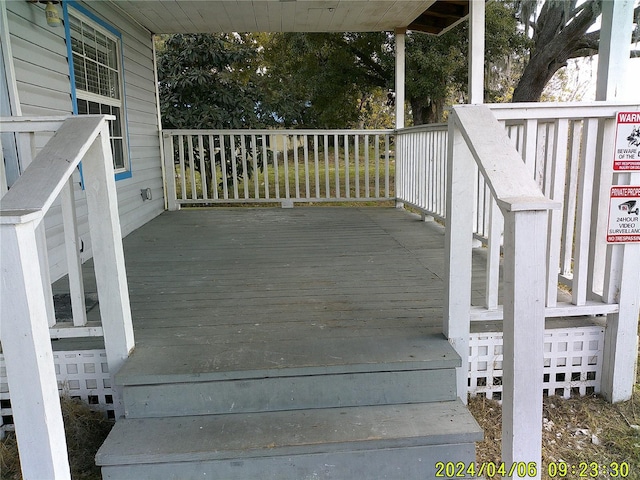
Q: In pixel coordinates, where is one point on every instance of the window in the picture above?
(96, 75)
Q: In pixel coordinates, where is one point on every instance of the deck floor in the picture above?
(259, 288)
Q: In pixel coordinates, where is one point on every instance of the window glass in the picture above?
(97, 74)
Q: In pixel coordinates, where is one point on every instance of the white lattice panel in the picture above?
(572, 362)
(81, 374)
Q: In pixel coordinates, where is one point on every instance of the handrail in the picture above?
(499, 161)
(41, 183)
(25, 289)
(278, 131)
(555, 110)
(477, 138)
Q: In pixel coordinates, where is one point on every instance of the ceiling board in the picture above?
(196, 16)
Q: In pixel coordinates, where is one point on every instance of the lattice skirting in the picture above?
(81, 374)
(572, 366)
(572, 362)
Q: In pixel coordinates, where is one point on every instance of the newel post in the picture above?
(26, 345)
(458, 243)
(108, 255)
(170, 173)
(525, 243)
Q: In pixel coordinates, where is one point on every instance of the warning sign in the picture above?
(627, 154)
(624, 215)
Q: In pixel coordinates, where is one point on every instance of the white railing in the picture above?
(554, 142)
(25, 134)
(528, 208)
(26, 307)
(421, 168)
(476, 138)
(286, 166)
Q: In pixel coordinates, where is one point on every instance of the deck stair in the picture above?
(377, 412)
(301, 343)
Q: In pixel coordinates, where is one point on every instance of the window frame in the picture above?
(71, 8)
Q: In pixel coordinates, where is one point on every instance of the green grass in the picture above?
(288, 178)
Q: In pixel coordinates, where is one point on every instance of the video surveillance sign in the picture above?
(624, 214)
(627, 153)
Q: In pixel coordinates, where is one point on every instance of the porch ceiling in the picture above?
(197, 16)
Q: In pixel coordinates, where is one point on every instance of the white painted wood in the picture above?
(621, 334)
(347, 183)
(192, 169)
(29, 358)
(523, 326)
(562, 309)
(493, 256)
(476, 47)
(109, 263)
(458, 236)
(551, 111)
(530, 145)
(3, 176)
(305, 152)
(40, 185)
(400, 77)
(171, 194)
(570, 199)
(558, 170)
(72, 247)
(583, 216)
(600, 211)
(43, 258)
(7, 54)
(613, 79)
(356, 161)
(510, 185)
(91, 329)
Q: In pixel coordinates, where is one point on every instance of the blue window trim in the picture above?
(74, 96)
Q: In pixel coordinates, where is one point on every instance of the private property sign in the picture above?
(627, 154)
(624, 215)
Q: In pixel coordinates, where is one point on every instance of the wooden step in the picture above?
(291, 375)
(401, 442)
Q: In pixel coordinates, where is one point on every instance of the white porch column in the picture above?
(28, 354)
(400, 79)
(614, 51)
(613, 83)
(476, 51)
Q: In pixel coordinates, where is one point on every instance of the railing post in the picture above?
(621, 334)
(525, 246)
(458, 240)
(108, 254)
(74, 264)
(170, 173)
(28, 356)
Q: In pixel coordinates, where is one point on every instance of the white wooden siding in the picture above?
(42, 77)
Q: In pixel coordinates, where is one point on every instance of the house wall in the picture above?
(42, 80)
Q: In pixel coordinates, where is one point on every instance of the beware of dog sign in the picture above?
(627, 153)
(624, 215)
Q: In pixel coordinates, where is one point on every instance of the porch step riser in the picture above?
(406, 463)
(289, 393)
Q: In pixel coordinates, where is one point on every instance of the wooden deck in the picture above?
(287, 343)
(253, 289)
(268, 276)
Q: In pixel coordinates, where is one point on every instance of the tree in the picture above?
(209, 81)
(437, 67)
(327, 78)
(560, 32)
(213, 81)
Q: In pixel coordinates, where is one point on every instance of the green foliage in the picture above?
(210, 81)
(327, 78)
